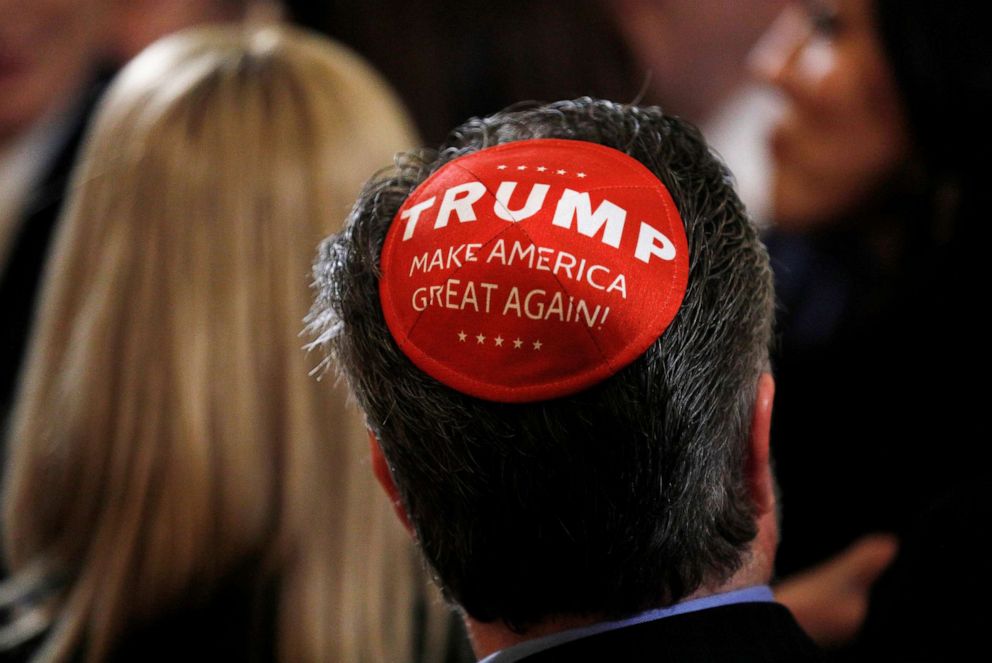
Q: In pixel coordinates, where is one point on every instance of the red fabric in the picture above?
(514, 296)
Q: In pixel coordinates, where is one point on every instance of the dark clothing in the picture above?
(21, 275)
(940, 57)
(871, 418)
(236, 623)
(741, 633)
(235, 626)
(874, 418)
(932, 604)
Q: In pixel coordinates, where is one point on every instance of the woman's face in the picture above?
(843, 132)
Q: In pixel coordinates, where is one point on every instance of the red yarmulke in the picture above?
(534, 269)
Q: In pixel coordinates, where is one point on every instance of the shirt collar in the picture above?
(757, 594)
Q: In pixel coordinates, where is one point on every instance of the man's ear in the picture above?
(385, 478)
(758, 468)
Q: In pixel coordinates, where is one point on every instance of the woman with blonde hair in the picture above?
(177, 484)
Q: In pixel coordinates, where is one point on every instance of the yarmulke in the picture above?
(532, 270)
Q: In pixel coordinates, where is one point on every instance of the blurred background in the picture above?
(855, 130)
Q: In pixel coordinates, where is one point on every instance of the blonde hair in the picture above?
(167, 434)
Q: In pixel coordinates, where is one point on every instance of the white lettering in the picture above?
(556, 306)
(535, 200)
(498, 251)
(437, 260)
(537, 305)
(461, 206)
(560, 264)
(619, 283)
(646, 246)
(544, 258)
(577, 205)
(528, 253)
(583, 308)
(469, 297)
(488, 287)
(418, 262)
(453, 252)
(595, 268)
(451, 293)
(513, 302)
(419, 299)
(538, 311)
(411, 215)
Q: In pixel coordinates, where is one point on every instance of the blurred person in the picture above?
(844, 134)
(915, 614)
(56, 58)
(443, 58)
(178, 486)
(879, 209)
(53, 66)
(589, 488)
(694, 51)
(694, 54)
(138, 23)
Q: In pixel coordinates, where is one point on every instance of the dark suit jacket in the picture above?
(236, 623)
(740, 633)
(932, 604)
(20, 277)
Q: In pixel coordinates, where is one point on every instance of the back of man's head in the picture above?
(630, 493)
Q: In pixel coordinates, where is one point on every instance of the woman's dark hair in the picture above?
(941, 57)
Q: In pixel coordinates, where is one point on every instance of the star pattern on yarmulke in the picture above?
(499, 341)
(541, 169)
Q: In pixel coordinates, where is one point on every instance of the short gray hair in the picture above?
(618, 498)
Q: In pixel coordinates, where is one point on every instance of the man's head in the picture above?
(628, 494)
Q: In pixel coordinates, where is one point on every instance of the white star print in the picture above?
(480, 339)
(580, 174)
(502, 166)
(541, 169)
(517, 343)
(537, 345)
(462, 336)
(521, 167)
(560, 172)
(499, 341)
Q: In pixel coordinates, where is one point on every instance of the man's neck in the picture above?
(490, 637)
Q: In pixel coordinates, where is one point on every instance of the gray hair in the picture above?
(635, 486)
